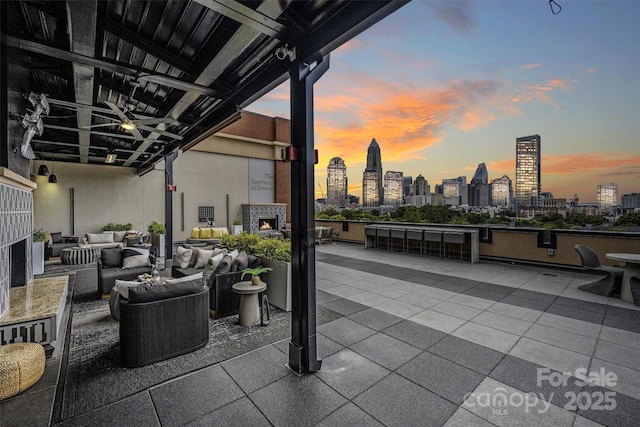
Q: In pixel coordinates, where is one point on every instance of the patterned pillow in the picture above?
(135, 257)
(183, 256)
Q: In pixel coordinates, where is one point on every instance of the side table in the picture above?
(249, 313)
(79, 255)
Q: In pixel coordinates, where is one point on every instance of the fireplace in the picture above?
(268, 224)
(263, 217)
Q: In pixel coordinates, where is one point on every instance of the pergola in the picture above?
(142, 80)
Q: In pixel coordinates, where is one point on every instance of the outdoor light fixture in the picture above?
(127, 126)
(111, 156)
(52, 177)
(43, 170)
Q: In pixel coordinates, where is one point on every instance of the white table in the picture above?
(249, 313)
(632, 268)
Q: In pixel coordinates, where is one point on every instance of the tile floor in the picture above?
(427, 342)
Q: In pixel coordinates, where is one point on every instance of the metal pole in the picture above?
(168, 203)
(302, 348)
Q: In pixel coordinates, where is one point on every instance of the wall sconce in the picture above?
(111, 157)
(52, 178)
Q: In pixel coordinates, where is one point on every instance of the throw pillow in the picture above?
(135, 257)
(195, 233)
(205, 233)
(254, 261)
(183, 256)
(224, 267)
(118, 236)
(175, 280)
(111, 257)
(123, 287)
(106, 237)
(218, 232)
(194, 254)
(49, 239)
(211, 266)
(148, 293)
(233, 254)
(56, 237)
(203, 257)
(241, 262)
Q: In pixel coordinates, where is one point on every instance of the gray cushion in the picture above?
(240, 262)
(224, 267)
(148, 293)
(56, 237)
(111, 257)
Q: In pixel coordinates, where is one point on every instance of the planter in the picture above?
(278, 283)
(158, 242)
(37, 256)
(237, 229)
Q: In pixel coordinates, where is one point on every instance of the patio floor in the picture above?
(424, 341)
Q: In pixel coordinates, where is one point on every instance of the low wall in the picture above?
(523, 244)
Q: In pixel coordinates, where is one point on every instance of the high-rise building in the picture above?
(480, 189)
(407, 187)
(393, 188)
(420, 186)
(607, 195)
(372, 190)
(528, 183)
(501, 191)
(454, 191)
(336, 182)
(630, 202)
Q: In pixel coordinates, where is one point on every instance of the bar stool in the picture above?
(385, 233)
(454, 238)
(398, 233)
(371, 241)
(432, 237)
(414, 236)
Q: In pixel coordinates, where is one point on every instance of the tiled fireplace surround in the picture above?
(252, 214)
(16, 224)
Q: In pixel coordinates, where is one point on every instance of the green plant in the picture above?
(40, 235)
(253, 244)
(117, 227)
(156, 227)
(237, 222)
(255, 271)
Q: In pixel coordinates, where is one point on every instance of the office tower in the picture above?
(336, 182)
(372, 190)
(420, 186)
(393, 188)
(480, 189)
(528, 170)
(607, 195)
(630, 202)
(454, 191)
(501, 191)
(407, 187)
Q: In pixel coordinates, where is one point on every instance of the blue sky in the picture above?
(445, 85)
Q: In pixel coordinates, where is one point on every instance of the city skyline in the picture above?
(444, 86)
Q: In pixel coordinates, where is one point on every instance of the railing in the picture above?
(522, 244)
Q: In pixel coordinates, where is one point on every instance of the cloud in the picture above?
(457, 14)
(529, 92)
(530, 66)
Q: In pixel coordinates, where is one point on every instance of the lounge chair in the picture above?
(608, 285)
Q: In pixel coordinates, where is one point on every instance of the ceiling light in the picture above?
(127, 126)
(111, 157)
(53, 179)
(43, 170)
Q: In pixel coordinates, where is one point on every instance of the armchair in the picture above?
(609, 284)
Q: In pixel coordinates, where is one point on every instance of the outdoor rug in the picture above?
(94, 377)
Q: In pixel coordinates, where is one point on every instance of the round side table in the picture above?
(249, 314)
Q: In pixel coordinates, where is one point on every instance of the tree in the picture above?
(631, 219)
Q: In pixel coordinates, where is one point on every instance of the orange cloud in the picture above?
(530, 66)
(529, 92)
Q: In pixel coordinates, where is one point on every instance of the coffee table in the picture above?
(249, 313)
(632, 268)
(78, 255)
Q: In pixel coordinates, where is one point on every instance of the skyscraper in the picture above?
(407, 187)
(454, 191)
(336, 182)
(480, 189)
(372, 191)
(393, 188)
(501, 191)
(528, 183)
(420, 186)
(607, 195)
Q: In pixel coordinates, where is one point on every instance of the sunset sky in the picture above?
(443, 86)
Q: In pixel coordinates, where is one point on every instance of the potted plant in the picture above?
(255, 274)
(237, 227)
(157, 231)
(276, 254)
(37, 251)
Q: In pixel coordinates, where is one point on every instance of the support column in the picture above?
(168, 203)
(302, 348)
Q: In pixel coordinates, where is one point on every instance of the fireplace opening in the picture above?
(266, 224)
(18, 262)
